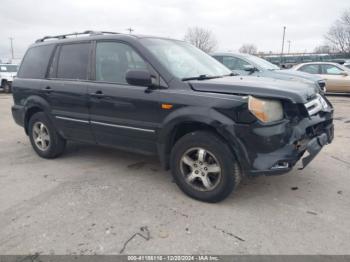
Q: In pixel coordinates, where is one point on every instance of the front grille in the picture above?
(316, 105)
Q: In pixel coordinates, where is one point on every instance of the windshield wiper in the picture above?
(200, 77)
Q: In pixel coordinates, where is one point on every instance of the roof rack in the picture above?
(88, 32)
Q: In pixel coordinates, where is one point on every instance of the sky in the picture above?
(232, 22)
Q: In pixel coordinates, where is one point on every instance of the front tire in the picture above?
(204, 167)
(43, 136)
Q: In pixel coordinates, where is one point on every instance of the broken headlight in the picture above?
(266, 110)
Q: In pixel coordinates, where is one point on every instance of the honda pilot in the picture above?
(164, 97)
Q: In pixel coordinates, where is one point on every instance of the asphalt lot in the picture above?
(104, 201)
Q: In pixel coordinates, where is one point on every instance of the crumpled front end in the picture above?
(276, 148)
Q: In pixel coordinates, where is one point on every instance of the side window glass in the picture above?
(219, 58)
(73, 61)
(331, 70)
(230, 62)
(113, 60)
(234, 63)
(311, 69)
(241, 64)
(35, 62)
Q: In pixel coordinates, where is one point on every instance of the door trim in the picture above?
(120, 126)
(104, 124)
(72, 119)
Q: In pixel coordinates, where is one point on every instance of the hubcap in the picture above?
(41, 136)
(200, 169)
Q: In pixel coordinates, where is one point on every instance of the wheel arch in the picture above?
(32, 105)
(212, 121)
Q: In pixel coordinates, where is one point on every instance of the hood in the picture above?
(296, 92)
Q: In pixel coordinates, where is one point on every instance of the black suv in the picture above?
(165, 97)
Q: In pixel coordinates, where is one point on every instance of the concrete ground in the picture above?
(104, 201)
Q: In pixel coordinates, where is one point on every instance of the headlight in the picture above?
(266, 110)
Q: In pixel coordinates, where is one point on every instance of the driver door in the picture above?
(122, 115)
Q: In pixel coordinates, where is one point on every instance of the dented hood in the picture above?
(296, 92)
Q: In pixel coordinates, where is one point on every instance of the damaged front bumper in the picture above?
(316, 144)
(275, 149)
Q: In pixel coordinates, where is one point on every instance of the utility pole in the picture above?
(12, 53)
(284, 34)
(130, 30)
(289, 46)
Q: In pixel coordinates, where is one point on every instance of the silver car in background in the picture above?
(245, 64)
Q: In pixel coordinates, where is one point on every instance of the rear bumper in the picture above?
(18, 114)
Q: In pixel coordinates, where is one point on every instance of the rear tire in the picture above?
(204, 167)
(43, 136)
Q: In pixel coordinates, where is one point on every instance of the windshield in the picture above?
(262, 63)
(8, 68)
(184, 60)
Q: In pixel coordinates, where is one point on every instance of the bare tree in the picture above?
(339, 34)
(201, 38)
(248, 49)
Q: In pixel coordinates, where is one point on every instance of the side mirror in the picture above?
(139, 77)
(250, 68)
(344, 73)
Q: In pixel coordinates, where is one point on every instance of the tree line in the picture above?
(337, 39)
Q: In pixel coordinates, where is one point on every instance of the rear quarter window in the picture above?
(35, 62)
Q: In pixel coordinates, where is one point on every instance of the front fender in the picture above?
(223, 125)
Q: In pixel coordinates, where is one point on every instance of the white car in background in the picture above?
(7, 73)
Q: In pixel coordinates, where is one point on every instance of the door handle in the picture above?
(98, 94)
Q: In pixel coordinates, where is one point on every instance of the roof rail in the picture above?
(88, 32)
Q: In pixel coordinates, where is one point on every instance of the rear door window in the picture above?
(35, 62)
(73, 61)
(331, 70)
(311, 69)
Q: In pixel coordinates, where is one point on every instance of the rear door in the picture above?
(335, 78)
(122, 115)
(66, 90)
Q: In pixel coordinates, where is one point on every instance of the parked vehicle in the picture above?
(245, 64)
(337, 77)
(347, 64)
(7, 73)
(165, 97)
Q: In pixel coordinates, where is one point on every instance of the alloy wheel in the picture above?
(41, 136)
(201, 169)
